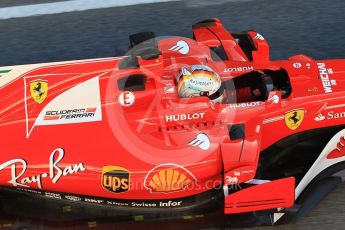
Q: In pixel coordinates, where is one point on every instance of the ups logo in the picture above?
(115, 179)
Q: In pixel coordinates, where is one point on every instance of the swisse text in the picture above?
(19, 167)
(144, 204)
(184, 117)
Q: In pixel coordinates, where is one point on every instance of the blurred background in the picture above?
(36, 31)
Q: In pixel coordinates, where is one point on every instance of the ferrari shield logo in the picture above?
(39, 90)
(294, 118)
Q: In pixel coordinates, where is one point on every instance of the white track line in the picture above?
(67, 6)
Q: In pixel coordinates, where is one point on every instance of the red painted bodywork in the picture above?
(140, 137)
(267, 196)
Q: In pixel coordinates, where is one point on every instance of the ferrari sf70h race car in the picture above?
(114, 131)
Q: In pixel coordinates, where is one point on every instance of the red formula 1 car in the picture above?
(113, 131)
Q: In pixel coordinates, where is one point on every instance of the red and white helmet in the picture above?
(199, 80)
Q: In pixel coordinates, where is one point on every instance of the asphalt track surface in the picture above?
(315, 28)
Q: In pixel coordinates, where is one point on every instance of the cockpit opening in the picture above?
(256, 86)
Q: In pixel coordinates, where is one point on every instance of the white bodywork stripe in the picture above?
(15, 72)
(321, 163)
(67, 6)
(257, 181)
(273, 119)
(277, 216)
(84, 95)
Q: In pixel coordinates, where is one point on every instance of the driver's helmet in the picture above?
(199, 80)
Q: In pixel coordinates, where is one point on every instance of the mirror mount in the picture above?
(274, 98)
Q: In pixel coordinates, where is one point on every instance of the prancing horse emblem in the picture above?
(294, 118)
(39, 90)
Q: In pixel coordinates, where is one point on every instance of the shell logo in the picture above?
(167, 178)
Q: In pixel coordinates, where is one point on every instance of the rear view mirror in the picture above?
(274, 98)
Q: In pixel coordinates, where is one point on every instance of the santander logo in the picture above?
(320, 117)
(181, 46)
(202, 140)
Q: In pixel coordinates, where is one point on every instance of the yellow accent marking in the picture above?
(180, 181)
(155, 179)
(169, 174)
(153, 185)
(92, 224)
(187, 217)
(162, 179)
(66, 209)
(138, 218)
(175, 177)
